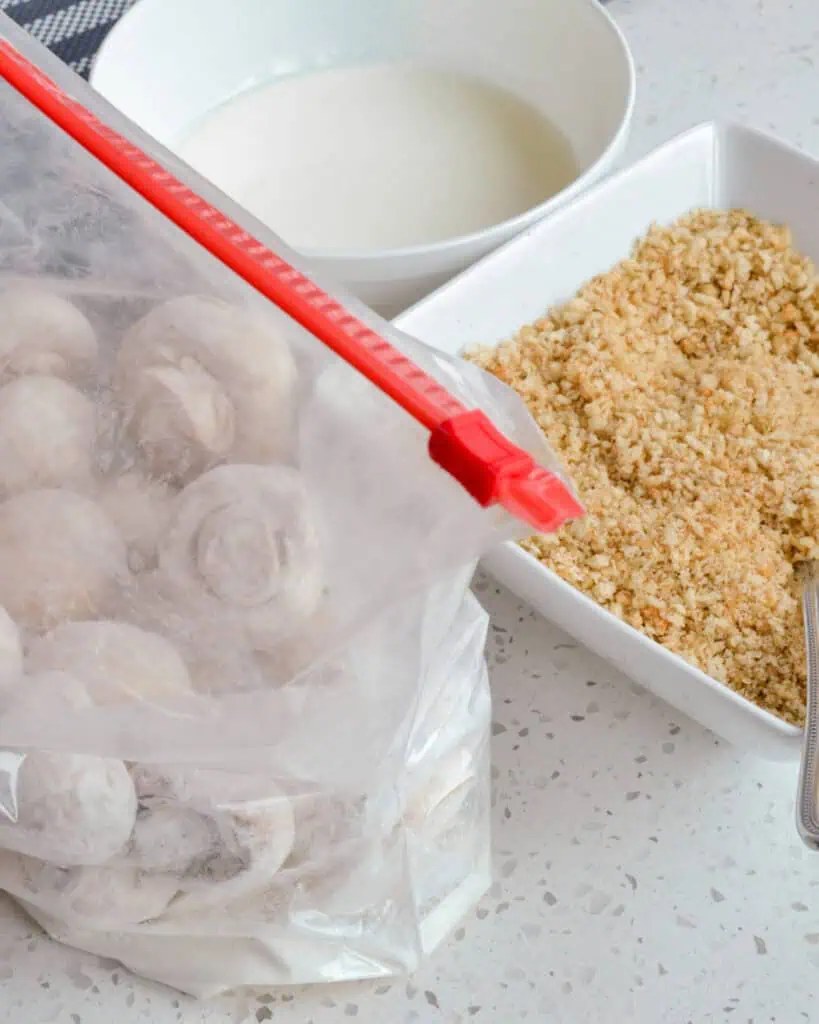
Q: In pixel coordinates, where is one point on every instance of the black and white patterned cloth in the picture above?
(72, 29)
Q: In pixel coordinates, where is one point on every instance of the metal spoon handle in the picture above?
(807, 813)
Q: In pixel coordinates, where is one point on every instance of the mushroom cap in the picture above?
(47, 431)
(253, 823)
(62, 558)
(200, 380)
(241, 547)
(181, 420)
(171, 839)
(99, 898)
(41, 332)
(116, 661)
(72, 809)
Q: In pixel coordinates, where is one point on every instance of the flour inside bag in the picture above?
(244, 711)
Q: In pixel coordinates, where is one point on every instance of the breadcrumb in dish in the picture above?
(681, 389)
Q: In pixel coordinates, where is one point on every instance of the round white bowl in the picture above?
(168, 62)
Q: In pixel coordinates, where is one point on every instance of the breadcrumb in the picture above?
(681, 389)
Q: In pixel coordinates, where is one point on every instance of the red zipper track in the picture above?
(463, 442)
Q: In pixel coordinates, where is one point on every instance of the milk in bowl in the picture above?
(379, 157)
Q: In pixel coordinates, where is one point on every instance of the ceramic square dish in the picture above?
(717, 166)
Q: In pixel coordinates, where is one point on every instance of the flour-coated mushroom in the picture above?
(41, 332)
(200, 380)
(180, 419)
(47, 430)
(242, 547)
(172, 839)
(72, 809)
(98, 898)
(253, 826)
(115, 660)
(140, 508)
(61, 555)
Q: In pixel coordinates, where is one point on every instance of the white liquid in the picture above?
(379, 157)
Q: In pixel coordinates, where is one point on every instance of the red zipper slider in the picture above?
(494, 471)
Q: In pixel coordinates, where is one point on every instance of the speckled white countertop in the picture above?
(644, 873)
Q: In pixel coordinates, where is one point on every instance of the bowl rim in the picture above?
(505, 228)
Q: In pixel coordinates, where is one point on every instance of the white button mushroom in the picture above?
(98, 898)
(115, 660)
(62, 558)
(199, 380)
(140, 509)
(41, 332)
(33, 785)
(72, 809)
(253, 824)
(242, 547)
(181, 420)
(47, 430)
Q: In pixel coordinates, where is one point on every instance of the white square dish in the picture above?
(716, 166)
